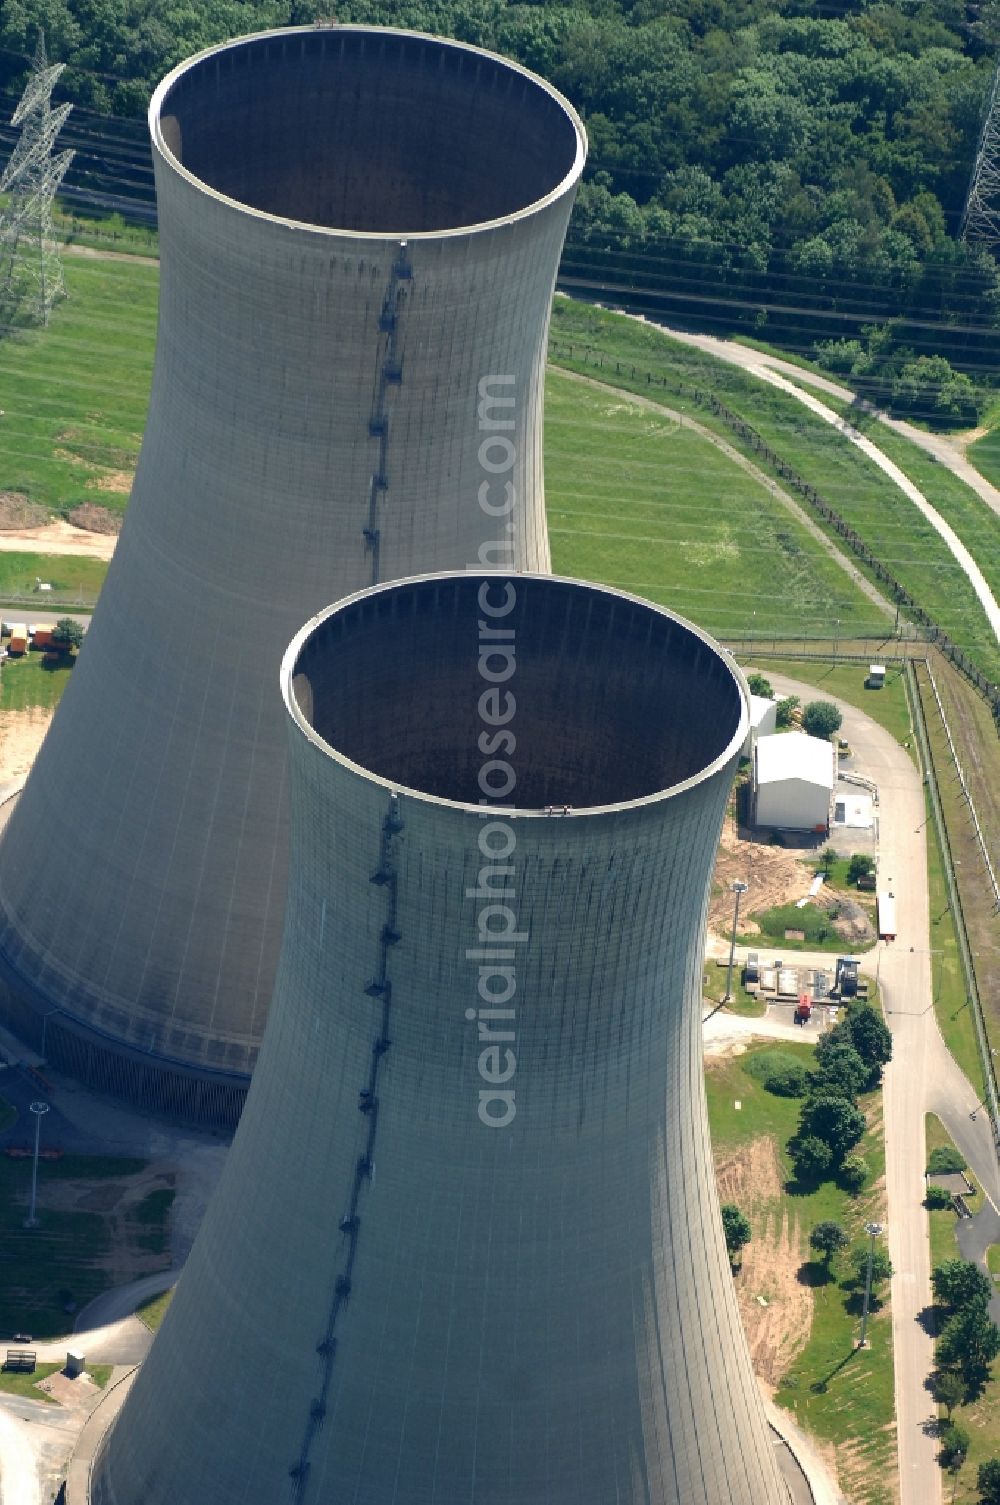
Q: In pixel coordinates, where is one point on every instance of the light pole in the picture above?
(39, 1110)
(873, 1231)
(739, 889)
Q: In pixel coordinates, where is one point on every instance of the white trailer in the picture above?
(886, 916)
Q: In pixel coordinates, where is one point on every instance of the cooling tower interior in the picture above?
(612, 703)
(369, 133)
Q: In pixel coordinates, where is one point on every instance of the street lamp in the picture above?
(39, 1110)
(873, 1231)
(739, 889)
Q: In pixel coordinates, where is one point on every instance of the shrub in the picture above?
(758, 685)
(780, 1073)
(859, 866)
(937, 1198)
(853, 1173)
(783, 713)
(736, 1227)
(812, 1158)
(946, 1158)
(821, 718)
(954, 1445)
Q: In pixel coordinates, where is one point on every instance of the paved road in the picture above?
(948, 452)
(922, 1077)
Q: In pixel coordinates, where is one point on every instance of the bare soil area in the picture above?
(21, 735)
(57, 538)
(94, 519)
(774, 875)
(775, 1306)
(18, 511)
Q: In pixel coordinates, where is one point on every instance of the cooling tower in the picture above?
(467, 1248)
(359, 235)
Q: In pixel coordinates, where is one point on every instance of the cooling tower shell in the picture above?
(393, 1298)
(359, 236)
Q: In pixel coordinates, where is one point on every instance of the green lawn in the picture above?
(69, 1258)
(951, 997)
(985, 456)
(842, 1397)
(14, 1383)
(980, 1416)
(153, 1311)
(993, 1259)
(887, 707)
(74, 580)
(74, 395)
(637, 501)
(851, 483)
(817, 924)
(27, 682)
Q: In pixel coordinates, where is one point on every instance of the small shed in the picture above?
(793, 780)
(876, 676)
(763, 721)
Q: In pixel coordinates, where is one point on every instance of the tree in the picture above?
(781, 1073)
(736, 1227)
(881, 1265)
(821, 718)
(783, 713)
(988, 1482)
(840, 1069)
(859, 866)
(870, 1036)
(853, 1173)
(945, 1159)
(954, 1446)
(949, 1389)
(811, 1157)
(833, 1119)
(969, 1342)
(758, 685)
(958, 1284)
(828, 1239)
(827, 858)
(67, 635)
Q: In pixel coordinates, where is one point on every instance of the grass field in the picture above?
(77, 1252)
(73, 579)
(981, 1416)
(887, 707)
(637, 501)
(27, 682)
(985, 456)
(74, 395)
(153, 1311)
(842, 1397)
(893, 528)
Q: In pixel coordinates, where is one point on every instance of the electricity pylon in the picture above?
(981, 214)
(31, 276)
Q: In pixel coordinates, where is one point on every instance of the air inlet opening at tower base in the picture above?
(605, 698)
(373, 131)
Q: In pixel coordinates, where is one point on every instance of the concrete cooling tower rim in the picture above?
(185, 74)
(695, 636)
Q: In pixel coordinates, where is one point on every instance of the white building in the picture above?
(763, 721)
(793, 779)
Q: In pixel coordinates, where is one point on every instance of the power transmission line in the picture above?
(981, 214)
(31, 276)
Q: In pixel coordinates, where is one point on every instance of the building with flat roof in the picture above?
(793, 780)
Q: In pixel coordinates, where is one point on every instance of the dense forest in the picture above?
(795, 168)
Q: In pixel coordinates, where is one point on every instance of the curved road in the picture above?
(923, 1077)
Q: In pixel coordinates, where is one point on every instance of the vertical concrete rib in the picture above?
(390, 1301)
(356, 227)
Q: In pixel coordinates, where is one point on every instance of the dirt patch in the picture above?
(57, 538)
(118, 481)
(128, 1254)
(19, 511)
(774, 875)
(94, 519)
(21, 735)
(775, 1306)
